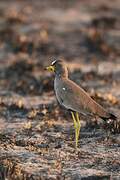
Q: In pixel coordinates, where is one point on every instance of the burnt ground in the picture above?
(36, 134)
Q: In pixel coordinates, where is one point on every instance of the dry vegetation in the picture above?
(36, 135)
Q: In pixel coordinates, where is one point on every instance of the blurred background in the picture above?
(86, 34)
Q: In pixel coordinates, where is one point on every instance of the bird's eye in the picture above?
(51, 68)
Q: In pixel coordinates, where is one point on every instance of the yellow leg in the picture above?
(78, 124)
(76, 129)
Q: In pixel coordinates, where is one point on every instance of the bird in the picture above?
(74, 98)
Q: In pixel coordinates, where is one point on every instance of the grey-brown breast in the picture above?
(75, 98)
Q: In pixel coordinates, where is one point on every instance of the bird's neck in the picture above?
(60, 76)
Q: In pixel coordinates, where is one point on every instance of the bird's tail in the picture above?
(112, 116)
(112, 123)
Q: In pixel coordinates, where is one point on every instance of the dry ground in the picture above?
(36, 135)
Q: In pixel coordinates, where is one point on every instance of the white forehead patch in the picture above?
(63, 88)
(53, 62)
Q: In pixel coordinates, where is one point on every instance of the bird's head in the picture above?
(59, 68)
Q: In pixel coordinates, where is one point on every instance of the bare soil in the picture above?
(36, 134)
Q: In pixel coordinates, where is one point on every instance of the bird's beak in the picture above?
(50, 68)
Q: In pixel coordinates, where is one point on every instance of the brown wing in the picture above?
(75, 98)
